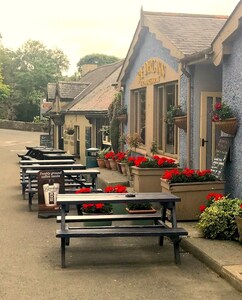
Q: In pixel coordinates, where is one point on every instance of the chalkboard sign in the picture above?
(46, 140)
(221, 156)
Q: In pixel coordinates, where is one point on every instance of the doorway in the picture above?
(208, 134)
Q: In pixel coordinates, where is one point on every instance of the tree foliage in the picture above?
(28, 71)
(98, 59)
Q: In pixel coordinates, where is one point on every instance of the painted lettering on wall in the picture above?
(151, 72)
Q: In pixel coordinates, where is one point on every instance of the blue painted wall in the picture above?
(232, 94)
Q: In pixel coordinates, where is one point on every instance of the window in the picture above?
(165, 134)
(139, 106)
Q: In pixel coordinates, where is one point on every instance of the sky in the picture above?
(79, 27)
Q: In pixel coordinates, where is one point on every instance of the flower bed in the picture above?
(192, 186)
(147, 172)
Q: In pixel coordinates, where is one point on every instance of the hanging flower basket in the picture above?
(181, 122)
(70, 131)
(228, 126)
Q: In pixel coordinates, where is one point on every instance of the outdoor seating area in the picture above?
(33, 163)
(36, 171)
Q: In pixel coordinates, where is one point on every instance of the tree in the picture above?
(4, 90)
(98, 59)
(28, 71)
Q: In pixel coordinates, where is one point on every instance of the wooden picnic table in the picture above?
(47, 161)
(58, 156)
(159, 228)
(37, 167)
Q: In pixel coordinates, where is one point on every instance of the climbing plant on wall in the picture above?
(113, 112)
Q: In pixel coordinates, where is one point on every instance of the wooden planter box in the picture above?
(192, 195)
(147, 179)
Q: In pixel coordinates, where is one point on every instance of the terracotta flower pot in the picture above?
(113, 164)
(107, 163)
(101, 163)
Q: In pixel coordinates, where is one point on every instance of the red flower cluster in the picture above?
(188, 175)
(116, 189)
(211, 197)
(154, 162)
(221, 112)
(131, 160)
(83, 190)
(110, 155)
(121, 156)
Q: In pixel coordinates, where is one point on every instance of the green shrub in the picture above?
(218, 220)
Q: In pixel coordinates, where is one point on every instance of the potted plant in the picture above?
(175, 115)
(147, 172)
(218, 219)
(122, 114)
(224, 119)
(133, 141)
(110, 156)
(192, 186)
(101, 157)
(94, 208)
(140, 208)
(70, 131)
(121, 158)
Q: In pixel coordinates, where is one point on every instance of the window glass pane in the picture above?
(170, 101)
(159, 125)
(165, 134)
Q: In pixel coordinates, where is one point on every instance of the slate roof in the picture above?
(99, 99)
(190, 33)
(67, 90)
(98, 89)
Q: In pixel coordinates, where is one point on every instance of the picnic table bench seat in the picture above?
(174, 234)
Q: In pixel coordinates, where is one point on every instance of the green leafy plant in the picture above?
(102, 152)
(218, 220)
(221, 112)
(154, 148)
(174, 111)
(139, 206)
(133, 140)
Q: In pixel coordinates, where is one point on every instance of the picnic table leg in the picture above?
(30, 201)
(176, 242)
(63, 244)
(163, 219)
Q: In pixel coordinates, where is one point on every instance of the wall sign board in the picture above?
(46, 140)
(221, 156)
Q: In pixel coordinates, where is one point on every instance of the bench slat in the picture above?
(121, 232)
(118, 217)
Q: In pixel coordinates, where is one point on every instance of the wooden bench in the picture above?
(126, 231)
(159, 229)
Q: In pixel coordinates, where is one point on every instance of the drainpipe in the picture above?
(188, 75)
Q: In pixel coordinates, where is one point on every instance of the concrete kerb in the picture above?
(229, 273)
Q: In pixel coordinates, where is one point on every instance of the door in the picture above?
(208, 133)
(77, 141)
